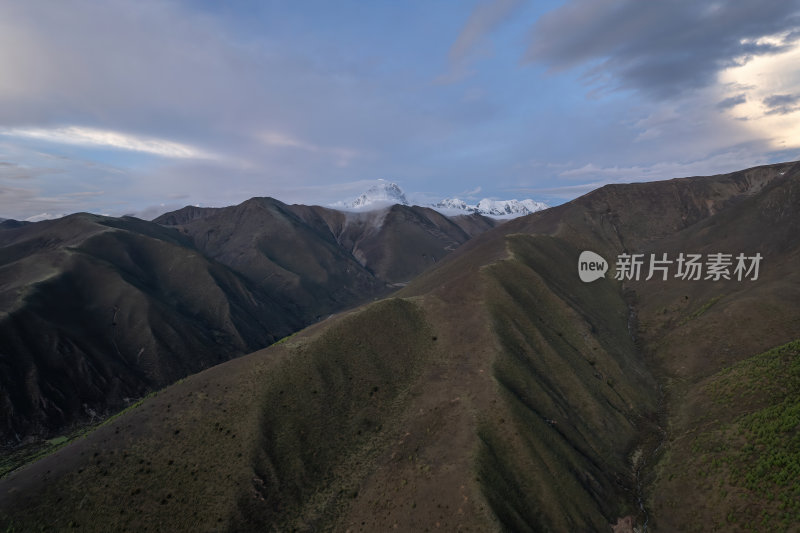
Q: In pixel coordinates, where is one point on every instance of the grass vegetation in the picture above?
(765, 390)
(25, 454)
(567, 370)
(30, 453)
(699, 311)
(744, 454)
(257, 442)
(327, 409)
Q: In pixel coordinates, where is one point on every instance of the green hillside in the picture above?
(742, 456)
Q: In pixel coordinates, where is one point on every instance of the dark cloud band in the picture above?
(661, 48)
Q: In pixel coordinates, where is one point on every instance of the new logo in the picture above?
(591, 266)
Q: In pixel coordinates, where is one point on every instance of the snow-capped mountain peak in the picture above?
(492, 208)
(509, 207)
(385, 193)
(382, 193)
(455, 204)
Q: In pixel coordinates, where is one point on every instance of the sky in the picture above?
(121, 107)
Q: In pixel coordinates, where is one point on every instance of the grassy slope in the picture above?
(695, 330)
(741, 457)
(575, 391)
(328, 411)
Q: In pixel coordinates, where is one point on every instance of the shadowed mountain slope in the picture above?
(95, 311)
(399, 242)
(271, 246)
(11, 224)
(496, 392)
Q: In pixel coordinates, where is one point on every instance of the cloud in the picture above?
(662, 119)
(485, 18)
(93, 137)
(471, 192)
(562, 192)
(15, 171)
(162, 78)
(34, 182)
(782, 104)
(44, 216)
(772, 87)
(343, 156)
(732, 101)
(333, 106)
(19, 202)
(324, 194)
(593, 176)
(728, 161)
(660, 48)
(154, 211)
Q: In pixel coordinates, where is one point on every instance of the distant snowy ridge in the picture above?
(492, 208)
(386, 193)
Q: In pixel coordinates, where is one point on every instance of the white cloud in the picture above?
(154, 211)
(83, 136)
(654, 124)
(471, 192)
(14, 171)
(44, 216)
(276, 139)
(484, 19)
(762, 80)
(564, 192)
(19, 202)
(725, 162)
(592, 176)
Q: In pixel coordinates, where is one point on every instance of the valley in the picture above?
(494, 391)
